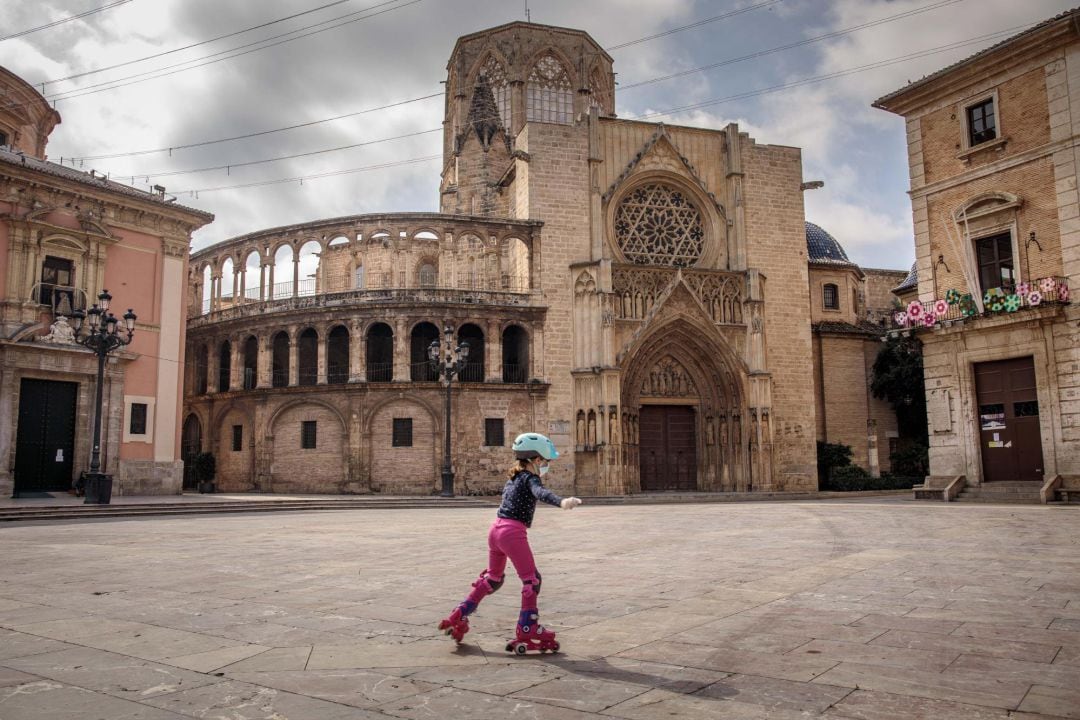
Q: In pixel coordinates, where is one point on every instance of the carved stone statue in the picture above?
(60, 333)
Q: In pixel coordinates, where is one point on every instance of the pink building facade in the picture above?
(65, 236)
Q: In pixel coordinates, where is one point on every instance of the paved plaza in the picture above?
(880, 609)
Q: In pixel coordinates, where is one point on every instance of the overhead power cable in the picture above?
(800, 43)
(63, 20)
(671, 111)
(193, 45)
(247, 49)
(730, 61)
(693, 25)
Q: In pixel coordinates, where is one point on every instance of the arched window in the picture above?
(549, 94)
(307, 357)
(656, 224)
(251, 363)
(207, 289)
(283, 273)
(224, 366)
(830, 297)
(380, 353)
(474, 366)
(516, 276)
(202, 359)
(309, 259)
(280, 360)
(358, 277)
(600, 92)
(228, 276)
(337, 356)
(253, 279)
(495, 75)
(515, 351)
(428, 275)
(420, 369)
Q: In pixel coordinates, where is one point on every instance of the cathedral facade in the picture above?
(637, 291)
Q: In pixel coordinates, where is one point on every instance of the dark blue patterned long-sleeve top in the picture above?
(520, 495)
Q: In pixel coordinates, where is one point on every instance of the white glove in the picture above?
(570, 503)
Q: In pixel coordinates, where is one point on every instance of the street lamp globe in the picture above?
(104, 299)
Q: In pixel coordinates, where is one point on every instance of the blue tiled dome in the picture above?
(911, 281)
(821, 247)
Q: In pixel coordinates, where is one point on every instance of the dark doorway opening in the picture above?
(473, 371)
(45, 441)
(190, 447)
(279, 360)
(668, 448)
(420, 368)
(515, 355)
(308, 357)
(337, 356)
(380, 353)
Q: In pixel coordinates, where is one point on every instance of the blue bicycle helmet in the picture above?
(529, 445)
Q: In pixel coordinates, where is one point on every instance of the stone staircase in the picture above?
(1010, 491)
(121, 509)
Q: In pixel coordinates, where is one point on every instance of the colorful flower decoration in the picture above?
(1034, 298)
(1063, 293)
(915, 311)
(967, 306)
(952, 296)
(1023, 289)
(1048, 285)
(901, 318)
(941, 308)
(1012, 303)
(929, 320)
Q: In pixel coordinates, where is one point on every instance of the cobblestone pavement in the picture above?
(875, 609)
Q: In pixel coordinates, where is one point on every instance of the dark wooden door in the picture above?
(190, 448)
(45, 442)
(668, 448)
(1009, 437)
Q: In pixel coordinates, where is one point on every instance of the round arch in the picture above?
(385, 460)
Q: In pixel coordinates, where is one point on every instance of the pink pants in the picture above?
(510, 539)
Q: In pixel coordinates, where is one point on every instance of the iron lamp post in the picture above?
(448, 361)
(103, 335)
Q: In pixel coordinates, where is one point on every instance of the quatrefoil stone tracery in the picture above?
(656, 224)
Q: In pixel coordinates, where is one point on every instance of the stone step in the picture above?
(1013, 484)
(1000, 492)
(1008, 501)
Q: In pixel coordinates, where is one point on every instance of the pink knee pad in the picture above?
(530, 588)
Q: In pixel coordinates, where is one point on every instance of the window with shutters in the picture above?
(402, 436)
(307, 435)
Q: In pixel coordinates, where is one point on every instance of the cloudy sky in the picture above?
(141, 76)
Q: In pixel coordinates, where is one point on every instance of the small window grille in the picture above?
(402, 432)
(237, 438)
(831, 297)
(138, 419)
(307, 435)
(494, 436)
(982, 125)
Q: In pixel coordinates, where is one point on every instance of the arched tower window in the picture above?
(420, 369)
(307, 357)
(279, 375)
(474, 366)
(251, 363)
(496, 79)
(428, 275)
(224, 366)
(515, 351)
(337, 356)
(380, 353)
(202, 364)
(656, 224)
(549, 94)
(830, 297)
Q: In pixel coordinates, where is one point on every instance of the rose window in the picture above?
(657, 225)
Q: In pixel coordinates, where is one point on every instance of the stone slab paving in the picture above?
(876, 609)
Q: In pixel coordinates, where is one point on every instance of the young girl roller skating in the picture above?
(508, 538)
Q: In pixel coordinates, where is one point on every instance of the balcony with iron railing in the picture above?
(957, 308)
(60, 299)
(507, 291)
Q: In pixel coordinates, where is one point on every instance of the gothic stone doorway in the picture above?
(45, 442)
(1009, 437)
(668, 448)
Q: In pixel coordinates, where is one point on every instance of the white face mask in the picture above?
(542, 470)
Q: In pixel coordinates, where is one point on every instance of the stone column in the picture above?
(320, 366)
(296, 275)
(356, 352)
(493, 352)
(236, 370)
(265, 371)
(213, 363)
(401, 352)
(268, 291)
(294, 356)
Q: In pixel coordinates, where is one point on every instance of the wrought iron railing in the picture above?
(280, 378)
(337, 373)
(61, 299)
(423, 372)
(307, 376)
(958, 307)
(472, 372)
(249, 378)
(380, 372)
(514, 373)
